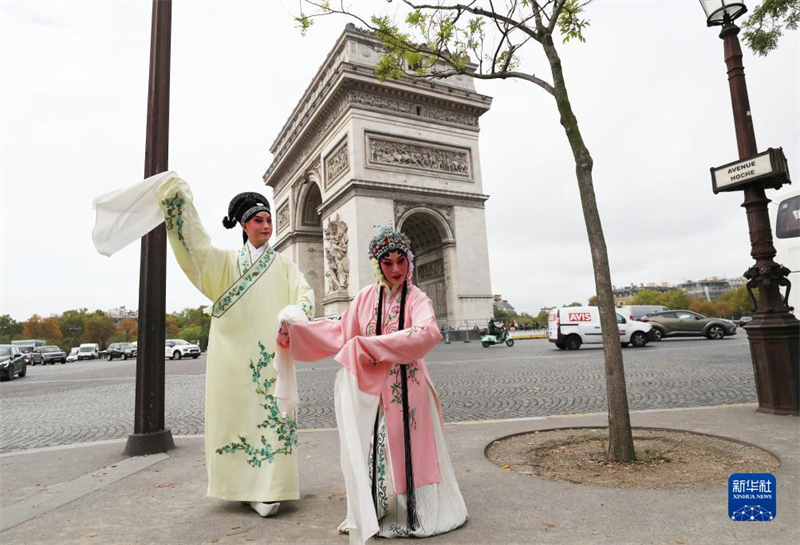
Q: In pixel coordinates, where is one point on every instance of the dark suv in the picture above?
(121, 351)
(685, 323)
(12, 362)
(52, 354)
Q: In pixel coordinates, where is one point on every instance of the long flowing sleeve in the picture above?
(204, 264)
(404, 346)
(301, 294)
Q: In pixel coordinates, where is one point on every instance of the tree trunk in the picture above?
(620, 437)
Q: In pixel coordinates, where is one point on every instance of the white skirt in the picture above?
(439, 507)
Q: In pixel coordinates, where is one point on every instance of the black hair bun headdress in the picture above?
(243, 207)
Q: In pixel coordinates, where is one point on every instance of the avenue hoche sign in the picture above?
(768, 168)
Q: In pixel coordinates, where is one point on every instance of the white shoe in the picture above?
(265, 509)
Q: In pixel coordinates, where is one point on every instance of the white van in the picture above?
(570, 327)
(88, 351)
(784, 211)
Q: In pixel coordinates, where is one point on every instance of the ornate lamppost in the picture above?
(774, 333)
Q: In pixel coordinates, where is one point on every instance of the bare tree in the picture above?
(437, 41)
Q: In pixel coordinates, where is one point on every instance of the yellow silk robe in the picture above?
(251, 448)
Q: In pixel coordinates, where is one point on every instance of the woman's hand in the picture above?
(283, 335)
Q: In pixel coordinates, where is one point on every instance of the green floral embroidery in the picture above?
(398, 530)
(235, 292)
(307, 307)
(284, 427)
(174, 216)
(380, 451)
(244, 259)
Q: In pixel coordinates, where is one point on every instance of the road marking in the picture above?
(63, 493)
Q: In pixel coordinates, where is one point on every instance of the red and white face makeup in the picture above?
(258, 229)
(394, 267)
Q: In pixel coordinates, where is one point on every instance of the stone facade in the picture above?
(357, 153)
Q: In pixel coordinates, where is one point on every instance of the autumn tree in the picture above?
(437, 41)
(127, 329)
(171, 326)
(46, 329)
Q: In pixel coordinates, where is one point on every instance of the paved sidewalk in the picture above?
(92, 494)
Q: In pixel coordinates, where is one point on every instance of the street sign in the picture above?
(769, 169)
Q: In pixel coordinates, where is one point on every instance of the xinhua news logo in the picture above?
(751, 497)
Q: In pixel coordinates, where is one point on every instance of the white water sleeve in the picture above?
(286, 382)
(126, 215)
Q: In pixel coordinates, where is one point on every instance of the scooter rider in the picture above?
(495, 330)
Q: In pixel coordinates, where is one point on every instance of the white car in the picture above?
(178, 348)
(73, 354)
(570, 327)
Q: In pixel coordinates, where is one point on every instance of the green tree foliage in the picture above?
(99, 328)
(71, 323)
(766, 24)
(733, 304)
(10, 329)
(593, 301)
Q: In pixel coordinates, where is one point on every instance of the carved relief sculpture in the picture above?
(336, 164)
(407, 154)
(283, 216)
(336, 239)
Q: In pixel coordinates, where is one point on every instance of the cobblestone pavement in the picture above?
(91, 401)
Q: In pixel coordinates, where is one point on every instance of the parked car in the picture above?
(12, 362)
(685, 323)
(49, 354)
(178, 348)
(637, 312)
(570, 327)
(73, 354)
(89, 351)
(744, 320)
(27, 346)
(121, 351)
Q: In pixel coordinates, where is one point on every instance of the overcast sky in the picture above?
(649, 89)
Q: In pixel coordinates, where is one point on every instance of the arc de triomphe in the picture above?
(357, 153)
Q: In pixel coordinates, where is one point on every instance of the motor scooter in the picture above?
(487, 339)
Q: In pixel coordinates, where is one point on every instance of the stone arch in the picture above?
(433, 216)
(309, 198)
(308, 235)
(430, 236)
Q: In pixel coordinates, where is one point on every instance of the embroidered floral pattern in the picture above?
(307, 307)
(411, 375)
(235, 292)
(174, 216)
(244, 259)
(389, 319)
(380, 451)
(284, 428)
(399, 530)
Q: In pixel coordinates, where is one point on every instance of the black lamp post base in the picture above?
(775, 351)
(140, 444)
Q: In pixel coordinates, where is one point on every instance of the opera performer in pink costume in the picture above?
(386, 405)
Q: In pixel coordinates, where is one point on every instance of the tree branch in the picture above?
(478, 11)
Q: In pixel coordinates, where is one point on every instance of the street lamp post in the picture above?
(774, 333)
(149, 435)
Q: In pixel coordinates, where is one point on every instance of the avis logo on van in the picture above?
(580, 316)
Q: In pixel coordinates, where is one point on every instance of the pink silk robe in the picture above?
(375, 361)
